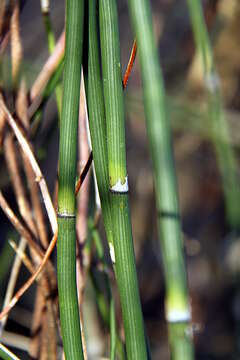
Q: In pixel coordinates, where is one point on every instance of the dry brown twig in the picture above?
(10, 153)
(20, 252)
(35, 275)
(39, 305)
(130, 64)
(19, 226)
(49, 68)
(16, 45)
(2, 13)
(28, 152)
(12, 280)
(31, 279)
(82, 205)
(22, 112)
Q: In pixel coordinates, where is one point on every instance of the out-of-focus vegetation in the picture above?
(211, 239)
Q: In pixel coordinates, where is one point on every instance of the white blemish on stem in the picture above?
(174, 316)
(112, 253)
(212, 81)
(119, 187)
(45, 6)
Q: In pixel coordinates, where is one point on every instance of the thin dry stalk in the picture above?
(48, 348)
(22, 104)
(22, 230)
(12, 280)
(16, 46)
(2, 13)
(44, 339)
(37, 207)
(82, 205)
(15, 340)
(10, 152)
(22, 256)
(31, 280)
(22, 112)
(36, 330)
(130, 64)
(84, 173)
(2, 126)
(39, 177)
(43, 355)
(49, 68)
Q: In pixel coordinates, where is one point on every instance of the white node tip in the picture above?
(119, 187)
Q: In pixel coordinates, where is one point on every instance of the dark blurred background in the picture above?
(212, 247)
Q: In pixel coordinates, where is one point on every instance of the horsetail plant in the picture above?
(96, 115)
(218, 126)
(178, 312)
(97, 123)
(66, 249)
(122, 251)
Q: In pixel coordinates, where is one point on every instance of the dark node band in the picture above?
(169, 214)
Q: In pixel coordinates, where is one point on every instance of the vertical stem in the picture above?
(123, 245)
(218, 125)
(97, 125)
(177, 305)
(96, 115)
(66, 257)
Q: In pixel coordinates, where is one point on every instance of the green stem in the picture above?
(159, 134)
(51, 46)
(123, 245)
(218, 125)
(97, 124)
(107, 311)
(96, 114)
(66, 254)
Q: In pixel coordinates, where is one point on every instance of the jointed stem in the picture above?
(66, 254)
(123, 245)
(177, 305)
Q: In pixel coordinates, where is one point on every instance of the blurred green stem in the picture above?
(218, 125)
(178, 311)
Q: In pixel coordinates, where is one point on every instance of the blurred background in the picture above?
(212, 244)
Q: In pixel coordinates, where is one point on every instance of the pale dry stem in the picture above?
(12, 280)
(22, 112)
(19, 226)
(31, 280)
(39, 177)
(10, 152)
(49, 68)
(2, 13)
(16, 46)
(82, 205)
(22, 255)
